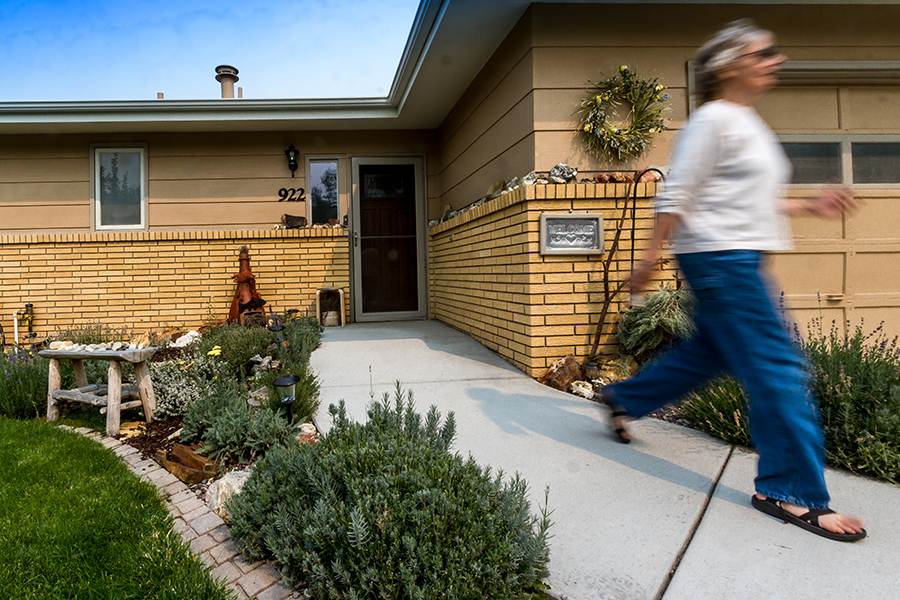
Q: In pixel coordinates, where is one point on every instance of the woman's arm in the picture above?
(827, 203)
(666, 225)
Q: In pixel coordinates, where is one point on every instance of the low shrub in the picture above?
(230, 429)
(23, 384)
(306, 395)
(857, 382)
(302, 335)
(664, 317)
(384, 510)
(237, 345)
(720, 409)
(179, 383)
(93, 333)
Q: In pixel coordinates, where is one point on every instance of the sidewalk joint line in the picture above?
(696, 525)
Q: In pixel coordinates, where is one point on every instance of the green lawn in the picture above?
(76, 523)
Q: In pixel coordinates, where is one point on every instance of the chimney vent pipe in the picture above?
(227, 76)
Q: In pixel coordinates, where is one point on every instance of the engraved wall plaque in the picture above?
(572, 233)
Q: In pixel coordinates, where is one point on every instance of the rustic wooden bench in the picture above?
(109, 397)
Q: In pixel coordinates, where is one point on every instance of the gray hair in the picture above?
(720, 52)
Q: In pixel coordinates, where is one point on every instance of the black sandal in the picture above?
(808, 520)
(617, 411)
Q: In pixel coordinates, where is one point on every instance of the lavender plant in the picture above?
(857, 382)
(23, 384)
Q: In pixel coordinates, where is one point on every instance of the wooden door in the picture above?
(387, 239)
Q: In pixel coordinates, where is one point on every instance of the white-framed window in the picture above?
(119, 187)
(866, 161)
(324, 183)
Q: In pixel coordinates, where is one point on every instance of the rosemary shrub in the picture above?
(384, 510)
(664, 317)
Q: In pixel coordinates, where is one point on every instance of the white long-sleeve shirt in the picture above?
(727, 178)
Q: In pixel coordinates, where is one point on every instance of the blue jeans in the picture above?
(739, 332)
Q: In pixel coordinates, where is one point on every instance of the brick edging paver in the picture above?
(203, 529)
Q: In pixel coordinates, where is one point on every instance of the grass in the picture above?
(75, 523)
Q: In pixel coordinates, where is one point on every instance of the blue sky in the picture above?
(132, 49)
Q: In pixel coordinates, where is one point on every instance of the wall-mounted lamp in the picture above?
(292, 154)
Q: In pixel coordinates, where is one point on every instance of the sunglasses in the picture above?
(768, 52)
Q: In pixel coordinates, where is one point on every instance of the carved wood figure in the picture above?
(245, 295)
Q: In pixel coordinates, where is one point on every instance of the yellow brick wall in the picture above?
(488, 278)
(149, 281)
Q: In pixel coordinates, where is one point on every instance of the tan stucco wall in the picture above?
(488, 278)
(151, 281)
(197, 181)
(573, 42)
(489, 134)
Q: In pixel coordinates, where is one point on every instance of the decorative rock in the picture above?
(563, 173)
(116, 346)
(619, 177)
(186, 339)
(649, 177)
(308, 429)
(56, 345)
(582, 388)
(529, 179)
(258, 397)
(562, 373)
(223, 489)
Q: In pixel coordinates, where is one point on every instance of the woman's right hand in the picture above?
(639, 278)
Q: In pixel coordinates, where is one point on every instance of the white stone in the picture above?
(583, 388)
(56, 345)
(223, 489)
(308, 429)
(186, 339)
(117, 346)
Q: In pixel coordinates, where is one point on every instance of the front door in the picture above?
(387, 238)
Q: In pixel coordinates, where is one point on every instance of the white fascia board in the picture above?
(23, 117)
(139, 112)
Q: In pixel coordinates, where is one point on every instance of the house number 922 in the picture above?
(291, 194)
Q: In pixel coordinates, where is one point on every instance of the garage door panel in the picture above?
(809, 273)
(874, 273)
(877, 219)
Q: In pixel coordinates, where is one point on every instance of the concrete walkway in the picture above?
(665, 517)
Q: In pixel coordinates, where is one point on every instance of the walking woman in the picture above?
(723, 210)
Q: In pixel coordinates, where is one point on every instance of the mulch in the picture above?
(155, 436)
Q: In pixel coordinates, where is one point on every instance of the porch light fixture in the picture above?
(292, 154)
(284, 387)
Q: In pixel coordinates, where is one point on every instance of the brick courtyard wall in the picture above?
(489, 280)
(149, 281)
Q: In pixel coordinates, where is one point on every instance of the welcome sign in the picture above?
(572, 233)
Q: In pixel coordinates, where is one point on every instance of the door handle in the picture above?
(356, 239)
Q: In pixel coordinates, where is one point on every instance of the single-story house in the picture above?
(132, 212)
